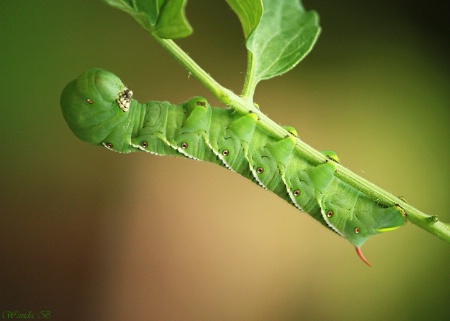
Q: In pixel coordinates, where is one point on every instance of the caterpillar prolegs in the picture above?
(100, 110)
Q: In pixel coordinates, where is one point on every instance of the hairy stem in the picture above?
(249, 85)
(222, 93)
(244, 105)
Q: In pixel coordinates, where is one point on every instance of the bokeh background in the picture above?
(93, 235)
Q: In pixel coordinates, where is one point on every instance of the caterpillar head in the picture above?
(94, 103)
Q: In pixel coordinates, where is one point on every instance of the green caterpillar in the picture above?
(100, 110)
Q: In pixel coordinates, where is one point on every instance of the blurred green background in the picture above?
(94, 235)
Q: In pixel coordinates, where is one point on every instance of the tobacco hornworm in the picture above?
(99, 109)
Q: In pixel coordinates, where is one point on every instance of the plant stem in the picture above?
(244, 105)
(249, 87)
(222, 93)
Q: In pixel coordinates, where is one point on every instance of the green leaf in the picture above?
(249, 13)
(172, 22)
(285, 34)
(163, 18)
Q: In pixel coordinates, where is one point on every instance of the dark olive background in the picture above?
(94, 235)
